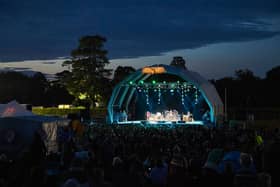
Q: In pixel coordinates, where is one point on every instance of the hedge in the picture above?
(53, 111)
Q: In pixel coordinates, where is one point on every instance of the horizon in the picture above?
(51, 66)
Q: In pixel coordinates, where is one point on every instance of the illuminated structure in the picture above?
(164, 94)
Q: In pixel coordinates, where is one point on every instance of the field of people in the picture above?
(103, 155)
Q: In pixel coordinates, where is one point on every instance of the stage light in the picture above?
(139, 89)
(130, 82)
(141, 82)
(182, 96)
(153, 70)
(159, 94)
(154, 82)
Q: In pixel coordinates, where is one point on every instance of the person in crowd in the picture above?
(69, 147)
(38, 149)
(271, 158)
(118, 174)
(246, 176)
(158, 173)
(177, 172)
(210, 173)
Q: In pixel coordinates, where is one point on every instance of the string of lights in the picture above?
(185, 89)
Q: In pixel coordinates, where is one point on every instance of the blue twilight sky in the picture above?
(215, 37)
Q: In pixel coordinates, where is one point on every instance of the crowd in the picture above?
(120, 156)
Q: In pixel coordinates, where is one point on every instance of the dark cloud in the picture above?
(15, 69)
(26, 71)
(49, 62)
(43, 30)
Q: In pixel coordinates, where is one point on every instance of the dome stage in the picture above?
(163, 94)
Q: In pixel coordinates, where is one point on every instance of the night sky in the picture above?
(215, 37)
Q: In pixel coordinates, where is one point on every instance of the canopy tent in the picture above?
(13, 109)
(17, 128)
(233, 158)
(122, 93)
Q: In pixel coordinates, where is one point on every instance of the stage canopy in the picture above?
(164, 90)
(13, 109)
(18, 126)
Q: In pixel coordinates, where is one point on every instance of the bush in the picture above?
(53, 111)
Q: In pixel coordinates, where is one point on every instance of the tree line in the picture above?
(88, 82)
(35, 89)
(38, 91)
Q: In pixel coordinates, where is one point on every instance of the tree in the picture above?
(273, 74)
(88, 78)
(245, 75)
(39, 86)
(23, 88)
(121, 73)
(57, 94)
(179, 62)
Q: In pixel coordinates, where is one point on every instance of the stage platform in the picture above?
(160, 123)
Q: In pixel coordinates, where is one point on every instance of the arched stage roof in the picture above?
(123, 93)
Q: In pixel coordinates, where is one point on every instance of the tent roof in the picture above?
(13, 109)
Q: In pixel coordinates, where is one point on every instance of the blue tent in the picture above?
(230, 158)
(16, 133)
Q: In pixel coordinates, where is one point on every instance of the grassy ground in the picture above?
(53, 111)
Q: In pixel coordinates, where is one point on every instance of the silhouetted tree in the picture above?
(23, 88)
(245, 75)
(246, 92)
(39, 88)
(273, 74)
(88, 78)
(57, 94)
(178, 61)
(271, 93)
(121, 73)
